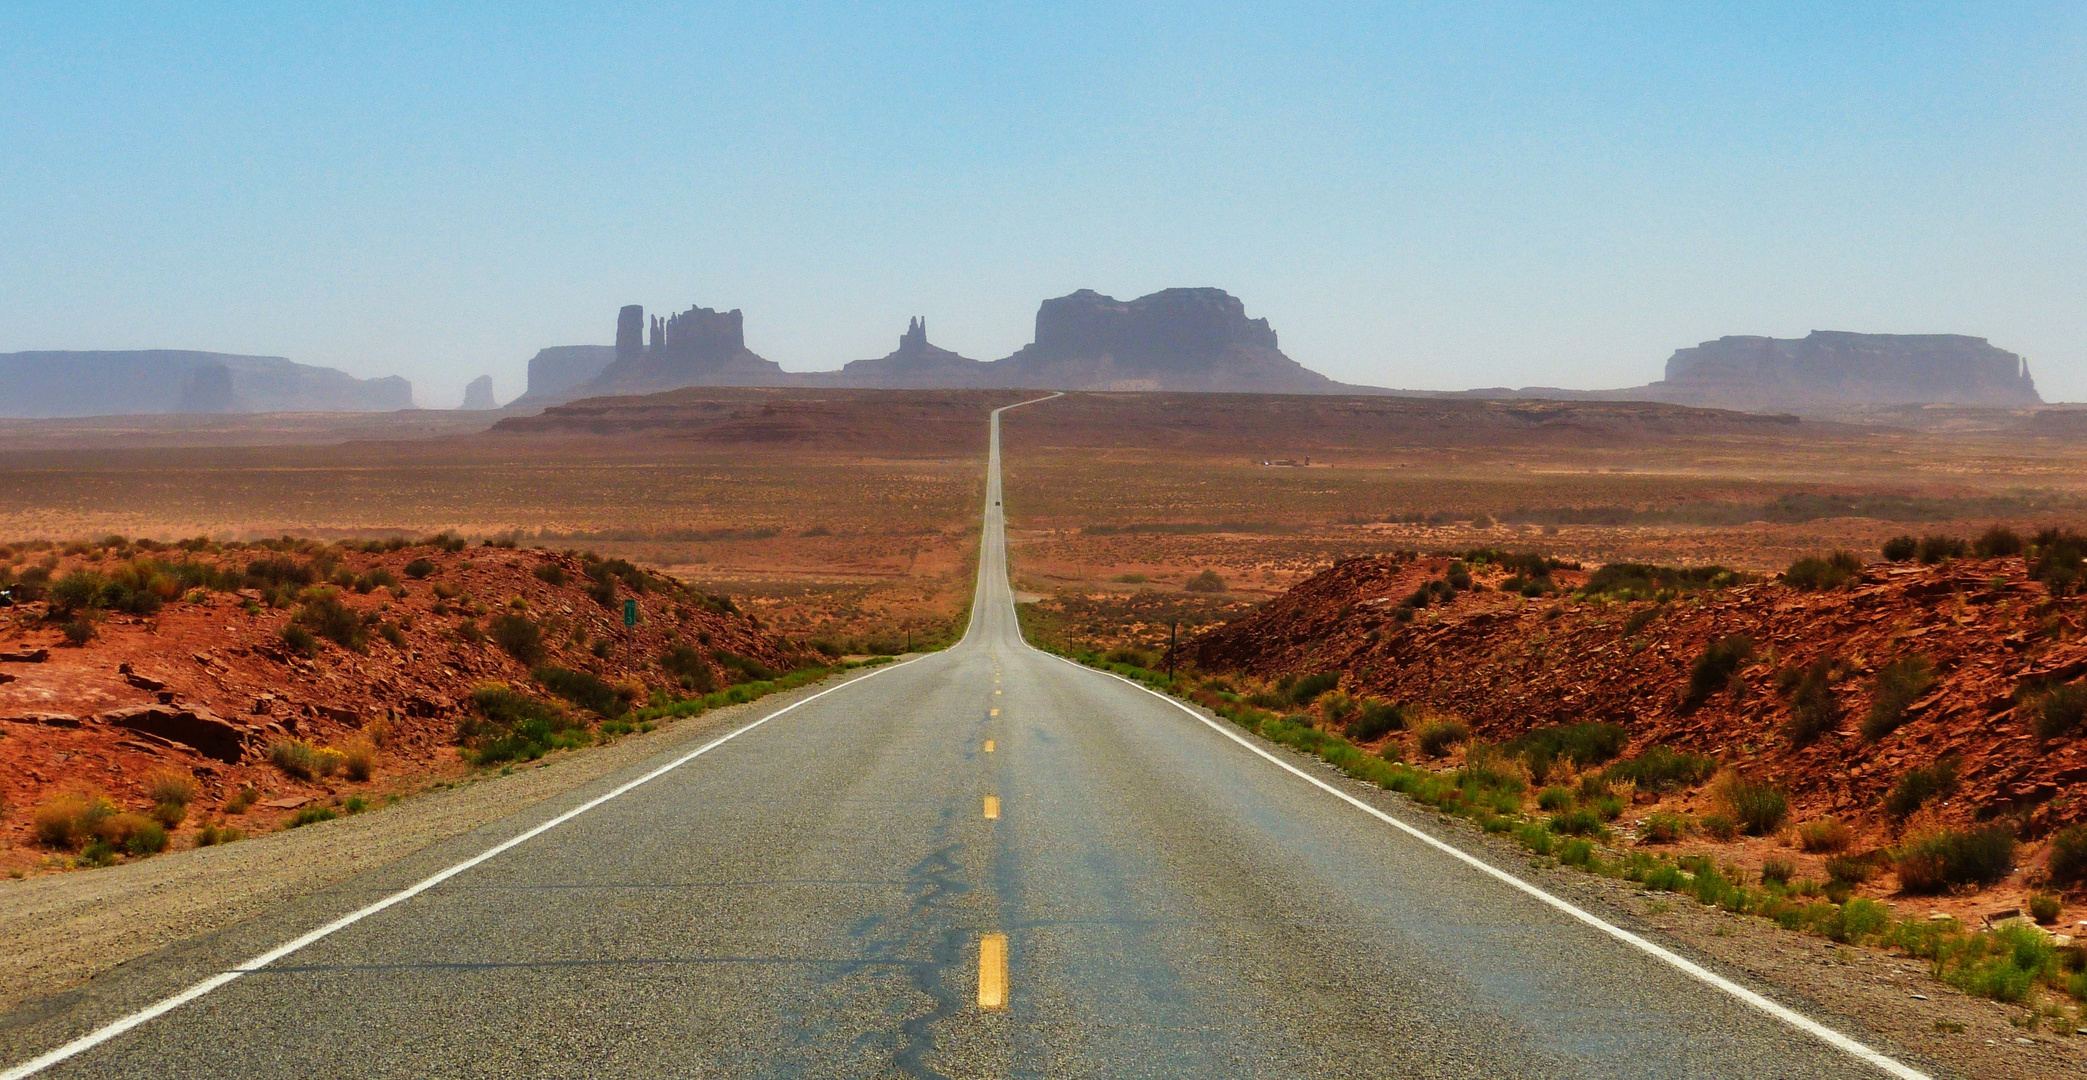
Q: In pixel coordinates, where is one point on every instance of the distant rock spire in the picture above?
(916, 335)
(659, 335)
(630, 331)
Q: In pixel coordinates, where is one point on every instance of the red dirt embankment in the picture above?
(206, 684)
(1507, 665)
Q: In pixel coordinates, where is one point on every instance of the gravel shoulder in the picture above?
(63, 930)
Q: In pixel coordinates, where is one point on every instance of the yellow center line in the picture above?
(992, 972)
(992, 807)
(995, 712)
(989, 746)
(996, 693)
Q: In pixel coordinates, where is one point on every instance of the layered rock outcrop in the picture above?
(117, 383)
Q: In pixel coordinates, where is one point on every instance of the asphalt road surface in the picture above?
(987, 862)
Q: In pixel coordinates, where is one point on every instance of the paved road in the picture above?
(810, 899)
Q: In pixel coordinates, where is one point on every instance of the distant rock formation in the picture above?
(555, 371)
(118, 383)
(209, 391)
(699, 347)
(1836, 368)
(630, 331)
(1175, 339)
(479, 395)
(914, 365)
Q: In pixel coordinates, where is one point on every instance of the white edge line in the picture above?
(166, 1005)
(1689, 967)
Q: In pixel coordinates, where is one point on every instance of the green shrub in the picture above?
(300, 640)
(1438, 737)
(391, 633)
(1643, 581)
(1939, 549)
(70, 818)
(509, 725)
(420, 568)
(1205, 582)
(324, 614)
(1825, 835)
(551, 574)
(1900, 548)
(2069, 855)
(303, 760)
(581, 688)
(1639, 620)
(2044, 908)
(519, 636)
(2059, 712)
(1662, 768)
(1307, 689)
(1663, 828)
(1553, 799)
(1582, 744)
(2058, 560)
(1833, 571)
(1852, 869)
(1376, 719)
(311, 815)
(1919, 786)
(1713, 671)
(1779, 871)
(1897, 687)
(1720, 827)
(1580, 822)
(689, 669)
(1814, 708)
(78, 630)
(1997, 542)
(145, 837)
(1756, 808)
(1946, 858)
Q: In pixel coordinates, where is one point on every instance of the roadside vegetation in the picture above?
(1574, 823)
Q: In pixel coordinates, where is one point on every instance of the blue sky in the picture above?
(1417, 196)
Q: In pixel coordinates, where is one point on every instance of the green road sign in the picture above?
(630, 613)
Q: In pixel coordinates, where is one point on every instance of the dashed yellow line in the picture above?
(995, 712)
(989, 746)
(992, 972)
(992, 807)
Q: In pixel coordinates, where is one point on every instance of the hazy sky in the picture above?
(1440, 197)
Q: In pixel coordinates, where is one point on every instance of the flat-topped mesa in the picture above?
(1847, 368)
(1174, 339)
(1170, 324)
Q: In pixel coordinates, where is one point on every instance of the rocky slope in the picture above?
(1507, 665)
(203, 680)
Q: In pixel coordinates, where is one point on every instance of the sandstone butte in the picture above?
(205, 686)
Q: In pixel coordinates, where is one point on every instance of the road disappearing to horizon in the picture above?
(984, 862)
